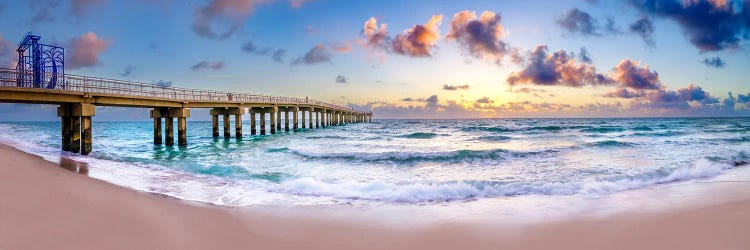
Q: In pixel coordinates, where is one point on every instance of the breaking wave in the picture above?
(469, 190)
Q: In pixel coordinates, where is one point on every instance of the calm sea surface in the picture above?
(407, 162)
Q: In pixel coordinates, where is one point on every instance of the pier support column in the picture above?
(252, 121)
(182, 131)
(286, 119)
(295, 114)
(64, 112)
(262, 122)
(273, 111)
(86, 135)
(157, 131)
(169, 127)
(75, 139)
(317, 119)
(226, 126)
(311, 111)
(278, 119)
(215, 125)
(323, 118)
(302, 114)
(238, 125)
(75, 128)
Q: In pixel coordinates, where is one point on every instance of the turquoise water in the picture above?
(405, 162)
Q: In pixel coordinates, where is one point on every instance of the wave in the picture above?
(411, 157)
(501, 129)
(603, 129)
(609, 143)
(325, 137)
(470, 190)
(642, 128)
(493, 138)
(419, 135)
(487, 129)
(275, 150)
(738, 140)
(658, 134)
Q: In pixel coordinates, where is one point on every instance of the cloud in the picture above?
(430, 102)
(79, 8)
(630, 75)
(164, 83)
(714, 62)
(625, 93)
(42, 16)
(684, 98)
(455, 87)
(310, 30)
(558, 68)
(128, 71)
(84, 51)
(375, 37)
(318, 54)
(644, 28)
(219, 19)
(8, 59)
(217, 65)
(711, 25)
(584, 55)
(576, 21)
(341, 79)
(341, 47)
(298, 3)
(482, 37)
(419, 40)
(485, 100)
(533, 92)
(278, 55)
(249, 47)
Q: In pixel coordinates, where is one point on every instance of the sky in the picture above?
(409, 59)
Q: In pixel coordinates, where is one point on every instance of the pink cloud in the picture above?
(84, 51)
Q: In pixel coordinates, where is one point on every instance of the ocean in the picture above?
(411, 163)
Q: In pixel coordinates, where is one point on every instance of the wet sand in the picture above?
(44, 205)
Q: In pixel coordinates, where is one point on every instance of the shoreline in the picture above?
(46, 206)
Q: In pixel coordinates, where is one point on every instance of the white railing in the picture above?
(94, 85)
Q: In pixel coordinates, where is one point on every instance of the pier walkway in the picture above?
(78, 96)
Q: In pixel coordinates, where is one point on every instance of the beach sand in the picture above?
(46, 206)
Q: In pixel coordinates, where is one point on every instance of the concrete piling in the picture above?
(310, 111)
(226, 126)
(169, 127)
(286, 120)
(295, 114)
(181, 131)
(215, 125)
(252, 122)
(73, 117)
(157, 131)
(262, 122)
(86, 135)
(238, 125)
(273, 112)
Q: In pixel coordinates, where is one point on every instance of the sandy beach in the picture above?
(46, 206)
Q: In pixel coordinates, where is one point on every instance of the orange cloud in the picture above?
(419, 40)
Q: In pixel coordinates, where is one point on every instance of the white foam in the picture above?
(436, 192)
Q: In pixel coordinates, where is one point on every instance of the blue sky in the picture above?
(157, 41)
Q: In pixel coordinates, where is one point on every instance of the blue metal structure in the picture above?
(39, 65)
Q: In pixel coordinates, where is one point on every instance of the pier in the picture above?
(78, 97)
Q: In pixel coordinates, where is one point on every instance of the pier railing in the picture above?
(85, 84)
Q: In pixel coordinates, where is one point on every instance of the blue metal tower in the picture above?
(39, 65)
